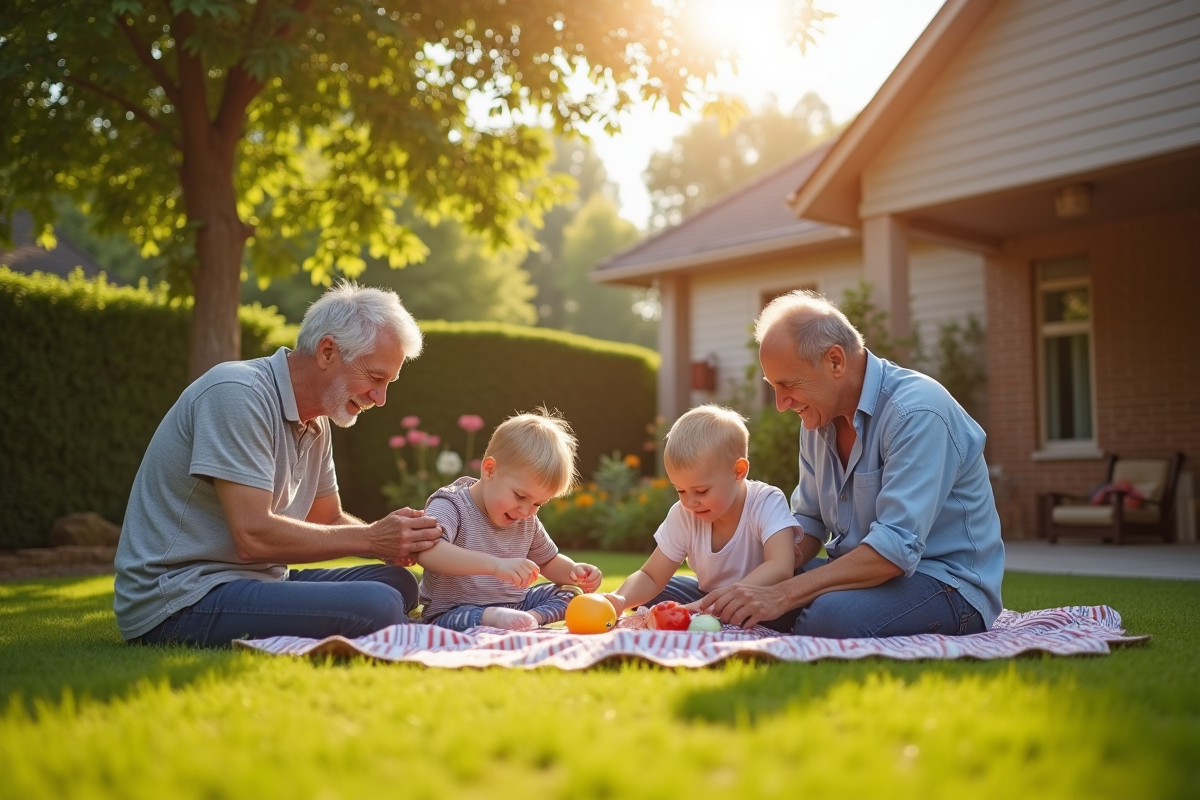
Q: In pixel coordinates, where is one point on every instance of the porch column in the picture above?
(674, 346)
(885, 259)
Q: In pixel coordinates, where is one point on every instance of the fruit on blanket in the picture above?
(670, 616)
(590, 613)
(704, 622)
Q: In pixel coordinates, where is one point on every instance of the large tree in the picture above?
(196, 125)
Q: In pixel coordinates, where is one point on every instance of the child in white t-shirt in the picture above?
(729, 529)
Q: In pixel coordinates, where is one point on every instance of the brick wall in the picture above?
(1146, 349)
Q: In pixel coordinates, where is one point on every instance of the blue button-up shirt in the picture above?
(915, 487)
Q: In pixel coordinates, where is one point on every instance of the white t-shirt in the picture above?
(684, 536)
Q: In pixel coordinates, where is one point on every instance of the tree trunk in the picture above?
(210, 199)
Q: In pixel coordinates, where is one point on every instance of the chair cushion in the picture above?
(1100, 516)
(1144, 473)
(1102, 495)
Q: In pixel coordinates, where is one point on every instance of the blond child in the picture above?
(493, 545)
(728, 528)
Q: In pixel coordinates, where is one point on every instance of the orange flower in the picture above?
(585, 500)
(633, 462)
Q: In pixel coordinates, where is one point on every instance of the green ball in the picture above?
(705, 622)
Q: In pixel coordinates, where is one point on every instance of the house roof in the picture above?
(748, 221)
(831, 192)
(27, 256)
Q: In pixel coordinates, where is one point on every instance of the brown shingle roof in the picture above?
(28, 256)
(753, 218)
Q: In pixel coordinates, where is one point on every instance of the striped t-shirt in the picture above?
(465, 525)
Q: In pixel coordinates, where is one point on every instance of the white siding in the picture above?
(1046, 89)
(944, 284)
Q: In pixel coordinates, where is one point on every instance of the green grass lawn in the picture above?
(87, 716)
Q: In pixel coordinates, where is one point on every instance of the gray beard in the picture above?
(334, 400)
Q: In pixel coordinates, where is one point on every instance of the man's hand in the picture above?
(743, 604)
(399, 536)
(520, 572)
(586, 576)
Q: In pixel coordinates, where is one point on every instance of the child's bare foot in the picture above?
(509, 619)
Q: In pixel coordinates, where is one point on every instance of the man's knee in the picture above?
(403, 581)
(375, 605)
(830, 618)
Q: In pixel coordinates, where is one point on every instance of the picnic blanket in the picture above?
(1076, 630)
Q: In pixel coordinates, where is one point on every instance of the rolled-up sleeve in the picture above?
(806, 502)
(921, 463)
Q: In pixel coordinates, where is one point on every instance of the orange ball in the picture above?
(590, 613)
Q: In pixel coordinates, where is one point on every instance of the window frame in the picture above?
(1063, 449)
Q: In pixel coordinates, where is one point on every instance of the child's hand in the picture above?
(520, 572)
(586, 576)
(618, 603)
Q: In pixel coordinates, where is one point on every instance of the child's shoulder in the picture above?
(764, 496)
(454, 492)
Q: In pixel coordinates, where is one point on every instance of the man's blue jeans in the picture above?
(313, 603)
(897, 607)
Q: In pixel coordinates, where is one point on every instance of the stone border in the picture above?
(50, 562)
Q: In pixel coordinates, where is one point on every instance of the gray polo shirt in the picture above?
(237, 422)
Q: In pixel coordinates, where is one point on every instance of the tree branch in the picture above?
(240, 88)
(143, 53)
(193, 104)
(139, 113)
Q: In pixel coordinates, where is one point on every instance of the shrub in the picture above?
(605, 390)
(89, 370)
(775, 448)
(616, 511)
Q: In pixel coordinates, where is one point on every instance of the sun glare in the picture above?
(742, 30)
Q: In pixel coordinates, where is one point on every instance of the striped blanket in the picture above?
(1077, 630)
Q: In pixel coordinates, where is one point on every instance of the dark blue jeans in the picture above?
(313, 603)
(897, 607)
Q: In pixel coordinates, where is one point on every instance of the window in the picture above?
(1065, 357)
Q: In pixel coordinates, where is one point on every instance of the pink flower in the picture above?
(476, 464)
(396, 442)
(416, 437)
(433, 441)
(471, 423)
(411, 421)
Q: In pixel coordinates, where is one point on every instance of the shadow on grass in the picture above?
(58, 637)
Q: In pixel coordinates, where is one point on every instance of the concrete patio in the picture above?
(1170, 561)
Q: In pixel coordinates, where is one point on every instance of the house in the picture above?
(717, 269)
(27, 256)
(1058, 141)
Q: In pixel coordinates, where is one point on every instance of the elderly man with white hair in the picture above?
(238, 482)
(892, 482)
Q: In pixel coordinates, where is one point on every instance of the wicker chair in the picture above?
(1064, 515)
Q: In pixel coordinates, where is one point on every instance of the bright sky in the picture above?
(850, 61)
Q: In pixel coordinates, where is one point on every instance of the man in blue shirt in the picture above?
(892, 482)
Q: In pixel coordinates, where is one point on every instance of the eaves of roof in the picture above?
(832, 192)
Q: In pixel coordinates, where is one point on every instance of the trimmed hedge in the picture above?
(90, 369)
(606, 390)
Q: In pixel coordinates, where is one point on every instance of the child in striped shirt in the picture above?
(493, 546)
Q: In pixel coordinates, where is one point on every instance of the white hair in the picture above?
(812, 322)
(353, 316)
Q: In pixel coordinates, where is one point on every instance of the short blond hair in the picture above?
(707, 435)
(540, 441)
